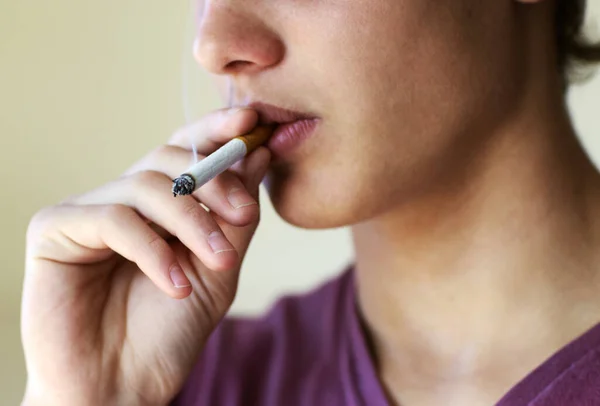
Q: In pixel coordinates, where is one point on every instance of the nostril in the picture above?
(237, 66)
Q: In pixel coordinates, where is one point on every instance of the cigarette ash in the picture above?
(183, 185)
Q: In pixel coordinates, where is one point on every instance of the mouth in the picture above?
(270, 114)
(292, 127)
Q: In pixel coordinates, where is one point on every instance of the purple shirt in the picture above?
(310, 350)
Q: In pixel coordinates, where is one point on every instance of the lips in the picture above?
(270, 114)
(292, 127)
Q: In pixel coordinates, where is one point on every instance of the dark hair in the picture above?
(574, 49)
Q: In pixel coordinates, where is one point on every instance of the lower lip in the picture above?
(288, 137)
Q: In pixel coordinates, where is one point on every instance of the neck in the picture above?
(495, 262)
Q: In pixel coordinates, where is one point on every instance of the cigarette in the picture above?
(220, 160)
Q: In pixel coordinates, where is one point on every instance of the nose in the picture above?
(234, 40)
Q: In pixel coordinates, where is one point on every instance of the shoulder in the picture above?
(269, 359)
(571, 376)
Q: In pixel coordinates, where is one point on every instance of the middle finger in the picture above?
(182, 217)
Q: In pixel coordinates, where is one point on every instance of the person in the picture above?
(437, 130)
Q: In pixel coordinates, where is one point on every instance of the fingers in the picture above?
(134, 214)
(251, 171)
(89, 230)
(183, 217)
(214, 130)
(226, 195)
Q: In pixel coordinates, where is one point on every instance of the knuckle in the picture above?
(192, 211)
(195, 214)
(144, 178)
(158, 246)
(157, 250)
(162, 150)
(179, 134)
(115, 213)
(39, 222)
(40, 216)
(113, 217)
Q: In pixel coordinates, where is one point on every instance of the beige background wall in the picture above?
(86, 87)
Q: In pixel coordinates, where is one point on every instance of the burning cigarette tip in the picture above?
(183, 185)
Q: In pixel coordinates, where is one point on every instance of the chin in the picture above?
(315, 204)
(306, 214)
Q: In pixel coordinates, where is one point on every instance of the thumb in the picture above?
(251, 172)
(257, 164)
(252, 169)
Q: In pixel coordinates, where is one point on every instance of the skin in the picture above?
(448, 149)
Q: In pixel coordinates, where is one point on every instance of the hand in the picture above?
(124, 284)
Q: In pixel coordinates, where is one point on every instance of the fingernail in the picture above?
(178, 278)
(239, 198)
(219, 243)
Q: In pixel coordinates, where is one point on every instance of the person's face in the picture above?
(405, 91)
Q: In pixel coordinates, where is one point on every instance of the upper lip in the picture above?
(270, 114)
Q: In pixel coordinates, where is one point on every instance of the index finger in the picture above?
(214, 130)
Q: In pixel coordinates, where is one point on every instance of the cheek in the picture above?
(386, 57)
(427, 86)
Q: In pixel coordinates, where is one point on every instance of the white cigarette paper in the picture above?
(220, 160)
